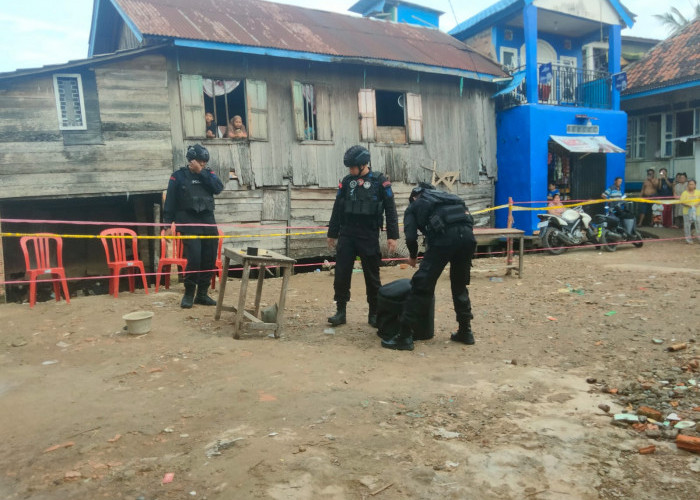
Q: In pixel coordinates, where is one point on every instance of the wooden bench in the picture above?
(264, 259)
(484, 235)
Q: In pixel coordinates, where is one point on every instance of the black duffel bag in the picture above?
(390, 301)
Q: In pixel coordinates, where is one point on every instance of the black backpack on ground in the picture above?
(390, 301)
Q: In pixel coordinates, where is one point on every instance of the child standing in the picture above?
(690, 200)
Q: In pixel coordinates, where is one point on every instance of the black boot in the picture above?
(202, 297)
(339, 317)
(464, 334)
(401, 342)
(188, 298)
(372, 316)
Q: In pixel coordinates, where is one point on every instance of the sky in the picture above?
(40, 32)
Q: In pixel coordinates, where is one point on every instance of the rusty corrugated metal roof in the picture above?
(258, 23)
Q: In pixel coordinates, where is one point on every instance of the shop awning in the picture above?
(517, 80)
(586, 144)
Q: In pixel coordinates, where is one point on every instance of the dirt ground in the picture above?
(88, 411)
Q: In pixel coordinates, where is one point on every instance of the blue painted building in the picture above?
(398, 11)
(567, 127)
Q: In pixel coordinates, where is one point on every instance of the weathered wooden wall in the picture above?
(270, 184)
(459, 127)
(134, 155)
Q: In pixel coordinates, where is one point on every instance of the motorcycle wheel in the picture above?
(609, 247)
(552, 243)
(638, 237)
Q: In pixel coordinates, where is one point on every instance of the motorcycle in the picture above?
(619, 226)
(573, 227)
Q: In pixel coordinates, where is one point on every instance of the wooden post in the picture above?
(509, 240)
(3, 293)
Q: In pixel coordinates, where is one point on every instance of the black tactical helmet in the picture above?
(356, 156)
(416, 191)
(197, 152)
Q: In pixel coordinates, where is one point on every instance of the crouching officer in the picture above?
(362, 199)
(190, 200)
(445, 220)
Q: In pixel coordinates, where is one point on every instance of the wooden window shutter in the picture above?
(192, 96)
(368, 114)
(256, 102)
(414, 117)
(322, 97)
(298, 108)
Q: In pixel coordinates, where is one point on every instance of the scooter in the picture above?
(619, 226)
(573, 227)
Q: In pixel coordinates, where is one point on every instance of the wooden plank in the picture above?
(274, 205)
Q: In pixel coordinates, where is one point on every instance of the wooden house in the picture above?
(96, 139)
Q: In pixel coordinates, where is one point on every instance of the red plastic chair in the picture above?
(165, 262)
(115, 250)
(219, 265)
(39, 262)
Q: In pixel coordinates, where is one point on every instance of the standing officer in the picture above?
(190, 200)
(362, 200)
(445, 220)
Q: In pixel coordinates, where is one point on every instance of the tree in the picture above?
(675, 20)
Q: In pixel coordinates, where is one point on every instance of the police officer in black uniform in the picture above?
(363, 198)
(445, 220)
(190, 200)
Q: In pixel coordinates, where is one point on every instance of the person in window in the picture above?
(308, 132)
(236, 129)
(190, 201)
(552, 191)
(211, 126)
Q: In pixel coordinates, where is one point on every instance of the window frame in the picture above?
(667, 136)
(413, 126)
(321, 124)
(514, 52)
(81, 96)
(637, 137)
(254, 103)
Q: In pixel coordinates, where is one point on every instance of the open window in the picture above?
(312, 117)
(237, 108)
(391, 117)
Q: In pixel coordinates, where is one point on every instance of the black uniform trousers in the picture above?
(459, 254)
(366, 246)
(199, 252)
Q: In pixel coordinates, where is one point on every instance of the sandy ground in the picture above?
(318, 415)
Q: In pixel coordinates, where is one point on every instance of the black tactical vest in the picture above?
(194, 197)
(363, 198)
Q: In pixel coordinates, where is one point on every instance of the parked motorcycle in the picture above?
(619, 226)
(573, 227)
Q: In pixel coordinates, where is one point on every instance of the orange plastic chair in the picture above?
(115, 250)
(219, 265)
(39, 262)
(165, 262)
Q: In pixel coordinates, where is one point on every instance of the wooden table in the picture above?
(264, 259)
(488, 234)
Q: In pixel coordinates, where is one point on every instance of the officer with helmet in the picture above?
(363, 199)
(190, 200)
(445, 221)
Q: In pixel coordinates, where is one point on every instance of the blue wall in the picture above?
(523, 137)
(405, 13)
